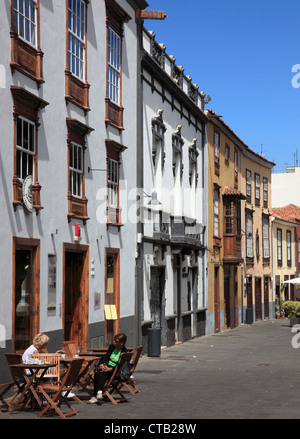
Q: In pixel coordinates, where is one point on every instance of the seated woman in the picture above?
(107, 365)
(39, 345)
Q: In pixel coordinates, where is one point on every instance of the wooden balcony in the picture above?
(232, 249)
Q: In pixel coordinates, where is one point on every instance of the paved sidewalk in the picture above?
(249, 372)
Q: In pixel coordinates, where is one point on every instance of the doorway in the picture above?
(258, 305)
(112, 294)
(26, 292)
(76, 293)
(217, 299)
(156, 295)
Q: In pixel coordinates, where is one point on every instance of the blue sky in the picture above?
(241, 53)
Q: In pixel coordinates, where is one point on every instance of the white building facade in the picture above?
(171, 262)
(68, 161)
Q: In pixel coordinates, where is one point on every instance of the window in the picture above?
(216, 212)
(25, 147)
(265, 191)
(26, 116)
(26, 55)
(113, 161)
(77, 201)
(228, 216)
(76, 37)
(116, 17)
(113, 182)
(236, 164)
(279, 247)
(77, 88)
(114, 66)
(288, 248)
(76, 169)
(266, 244)
(248, 185)
(227, 154)
(257, 189)
(298, 256)
(249, 235)
(217, 152)
(25, 20)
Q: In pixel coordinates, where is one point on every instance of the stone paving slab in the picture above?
(249, 372)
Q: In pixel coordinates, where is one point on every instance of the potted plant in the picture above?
(292, 311)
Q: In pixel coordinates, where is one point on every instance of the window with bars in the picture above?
(76, 37)
(114, 66)
(217, 152)
(113, 182)
(279, 247)
(288, 248)
(76, 169)
(248, 185)
(266, 243)
(257, 189)
(25, 20)
(216, 212)
(265, 191)
(25, 147)
(249, 235)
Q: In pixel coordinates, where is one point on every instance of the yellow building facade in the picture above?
(284, 259)
(239, 246)
(224, 226)
(258, 302)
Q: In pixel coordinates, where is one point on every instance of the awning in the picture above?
(295, 281)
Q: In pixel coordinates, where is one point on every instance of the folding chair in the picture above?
(53, 373)
(19, 380)
(70, 348)
(111, 386)
(56, 394)
(4, 388)
(133, 364)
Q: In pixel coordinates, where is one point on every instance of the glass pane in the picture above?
(19, 157)
(31, 137)
(23, 289)
(19, 132)
(21, 24)
(25, 134)
(24, 165)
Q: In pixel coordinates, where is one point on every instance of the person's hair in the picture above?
(120, 338)
(40, 340)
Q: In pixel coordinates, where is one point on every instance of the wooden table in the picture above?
(28, 392)
(86, 374)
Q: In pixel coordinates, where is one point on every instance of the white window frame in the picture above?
(249, 235)
(216, 212)
(266, 242)
(76, 38)
(114, 65)
(279, 245)
(25, 20)
(248, 183)
(113, 182)
(257, 187)
(217, 147)
(76, 171)
(29, 153)
(289, 247)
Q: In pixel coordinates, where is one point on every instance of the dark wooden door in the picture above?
(217, 299)
(258, 310)
(73, 315)
(266, 296)
(227, 300)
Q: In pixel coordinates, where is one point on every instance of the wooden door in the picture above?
(227, 300)
(266, 296)
(217, 299)
(26, 291)
(236, 299)
(76, 297)
(112, 294)
(156, 295)
(258, 307)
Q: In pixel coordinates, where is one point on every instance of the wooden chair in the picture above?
(70, 348)
(56, 394)
(4, 388)
(111, 385)
(53, 373)
(19, 380)
(131, 382)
